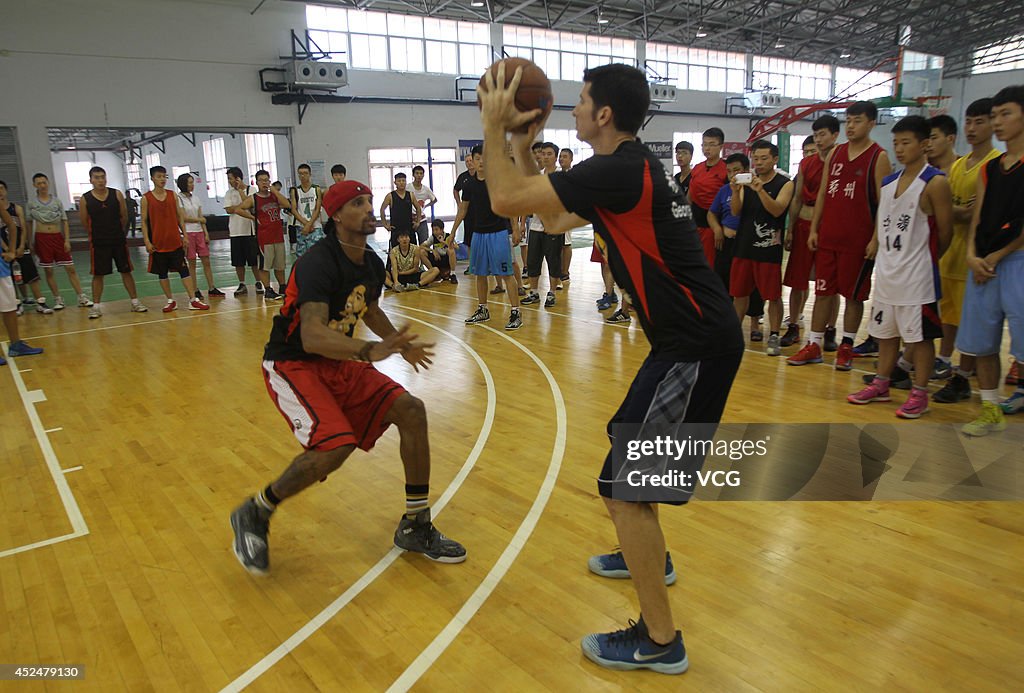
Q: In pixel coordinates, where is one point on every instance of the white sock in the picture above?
(135, 302)
(99, 306)
(41, 300)
(990, 396)
(905, 365)
(816, 338)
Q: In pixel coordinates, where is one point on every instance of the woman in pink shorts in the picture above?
(198, 237)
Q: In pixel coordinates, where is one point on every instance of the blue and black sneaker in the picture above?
(632, 648)
(869, 347)
(613, 565)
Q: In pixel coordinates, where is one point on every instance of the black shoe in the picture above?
(829, 343)
(530, 299)
(899, 379)
(497, 290)
(453, 279)
(199, 295)
(515, 320)
(217, 292)
(791, 337)
(466, 271)
(481, 315)
(550, 300)
(251, 525)
(420, 535)
(957, 389)
(241, 290)
(869, 347)
(271, 295)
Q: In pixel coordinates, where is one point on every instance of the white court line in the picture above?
(332, 609)
(160, 321)
(78, 526)
(25, 370)
(445, 638)
(54, 430)
(72, 469)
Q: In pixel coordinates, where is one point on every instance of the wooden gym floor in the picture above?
(127, 444)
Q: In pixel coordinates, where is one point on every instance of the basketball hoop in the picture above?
(934, 105)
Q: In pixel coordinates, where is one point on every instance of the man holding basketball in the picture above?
(656, 256)
(324, 384)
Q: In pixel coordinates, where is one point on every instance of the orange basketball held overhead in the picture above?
(534, 88)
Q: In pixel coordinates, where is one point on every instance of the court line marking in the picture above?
(501, 567)
(190, 315)
(332, 609)
(78, 526)
(72, 469)
(54, 430)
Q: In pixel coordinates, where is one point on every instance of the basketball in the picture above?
(534, 87)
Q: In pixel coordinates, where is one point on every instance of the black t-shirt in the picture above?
(684, 189)
(460, 185)
(759, 237)
(1002, 210)
(484, 218)
(324, 274)
(654, 252)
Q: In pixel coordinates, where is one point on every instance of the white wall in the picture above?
(149, 64)
(969, 89)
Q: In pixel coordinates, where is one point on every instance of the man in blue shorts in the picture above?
(492, 252)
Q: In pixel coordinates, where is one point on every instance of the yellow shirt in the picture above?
(963, 183)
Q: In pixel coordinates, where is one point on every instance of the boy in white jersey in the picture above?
(306, 201)
(914, 227)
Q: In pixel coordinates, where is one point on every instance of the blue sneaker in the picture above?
(613, 565)
(19, 348)
(867, 348)
(1013, 405)
(3, 361)
(610, 298)
(632, 648)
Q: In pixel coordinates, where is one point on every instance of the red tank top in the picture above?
(848, 219)
(269, 227)
(705, 183)
(811, 169)
(163, 222)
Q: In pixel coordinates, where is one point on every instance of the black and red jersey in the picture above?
(324, 274)
(642, 226)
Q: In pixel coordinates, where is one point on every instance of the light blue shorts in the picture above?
(492, 255)
(988, 305)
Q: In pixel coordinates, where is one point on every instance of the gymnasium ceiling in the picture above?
(809, 30)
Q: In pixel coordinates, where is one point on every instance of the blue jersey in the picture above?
(722, 208)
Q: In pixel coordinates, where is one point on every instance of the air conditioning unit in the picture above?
(317, 74)
(663, 93)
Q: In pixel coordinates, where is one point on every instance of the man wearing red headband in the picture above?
(323, 382)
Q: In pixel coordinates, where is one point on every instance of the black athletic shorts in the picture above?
(244, 251)
(29, 273)
(104, 257)
(162, 263)
(543, 246)
(672, 392)
(411, 278)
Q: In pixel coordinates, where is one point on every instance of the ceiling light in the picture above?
(779, 43)
(846, 55)
(701, 33)
(477, 3)
(601, 20)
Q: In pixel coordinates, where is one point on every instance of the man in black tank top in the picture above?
(104, 214)
(404, 208)
(761, 207)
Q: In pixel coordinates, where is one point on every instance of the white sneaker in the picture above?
(139, 308)
(95, 312)
(84, 301)
(58, 304)
(41, 307)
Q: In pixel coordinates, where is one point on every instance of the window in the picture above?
(566, 139)
(78, 178)
(260, 154)
(175, 172)
(385, 163)
(792, 78)
(863, 85)
(564, 55)
(698, 69)
(398, 42)
(1007, 54)
(216, 167)
(152, 159)
(135, 179)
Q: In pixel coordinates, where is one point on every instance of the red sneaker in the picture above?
(915, 406)
(196, 304)
(811, 353)
(1012, 375)
(844, 357)
(171, 306)
(877, 391)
